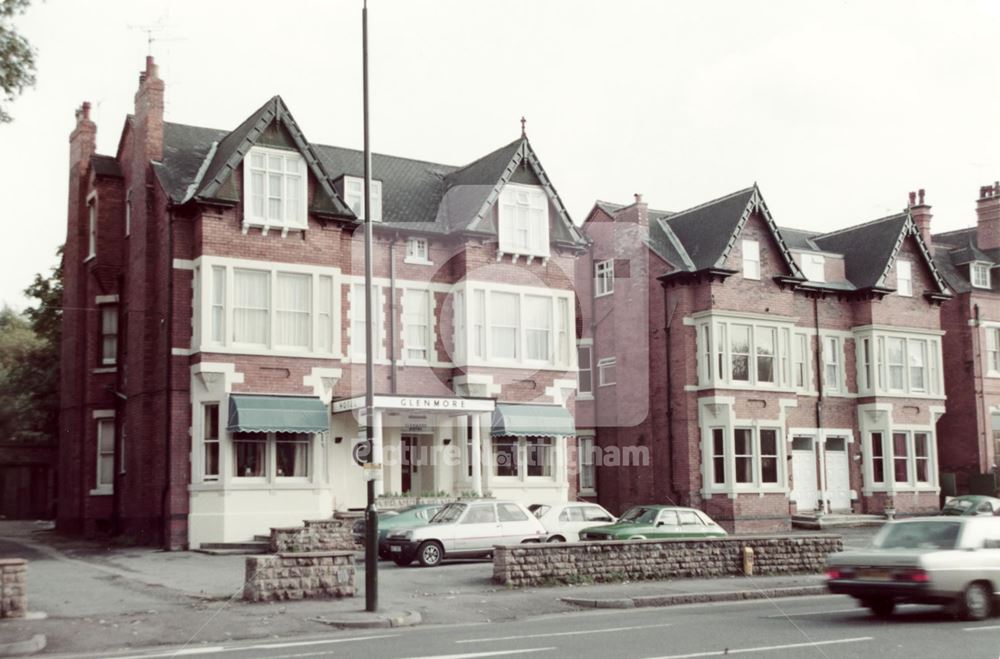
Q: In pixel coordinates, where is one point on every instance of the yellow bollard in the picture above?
(748, 561)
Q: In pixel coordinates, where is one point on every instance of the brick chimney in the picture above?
(636, 213)
(149, 112)
(83, 139)
(921, 214)
(988, 217)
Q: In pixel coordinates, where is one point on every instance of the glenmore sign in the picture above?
(421, 403)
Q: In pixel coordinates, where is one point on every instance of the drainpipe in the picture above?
(392, 315)
(985, 464)
(668, 316)
(819, 407)
(168, 381)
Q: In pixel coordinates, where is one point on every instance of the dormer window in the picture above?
(354, 197)
(275, 182)
(814, 267)
(979, 274)
(904, 278)
(524, 220)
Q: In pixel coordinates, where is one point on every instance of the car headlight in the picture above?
(406, 535)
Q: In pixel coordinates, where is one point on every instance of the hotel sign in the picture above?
(418, 404)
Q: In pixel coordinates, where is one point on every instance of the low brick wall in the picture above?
(302, 575)
(13, 587)
(316, 535)
(635, 560)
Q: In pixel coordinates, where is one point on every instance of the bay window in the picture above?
(527, 457)
(754, 454)
(290, 309)
(900, 363)
(902, 459)
(523, 220)
(750, 353)
(993, 351)
(277, 457)
(532, 327)
(275, 183)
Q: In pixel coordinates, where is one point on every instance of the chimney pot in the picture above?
(920, 193)
(638, 198)
(913, 198)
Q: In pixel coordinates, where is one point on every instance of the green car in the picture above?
(406, 518)
(649, 522)
(971, 504)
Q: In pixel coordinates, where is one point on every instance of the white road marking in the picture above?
(577, 633)
(187, 652)
(769, 648)
(980, 629)
(498, 653)
(818, 613)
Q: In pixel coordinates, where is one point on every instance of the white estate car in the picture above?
(564, 521)
(463, 530)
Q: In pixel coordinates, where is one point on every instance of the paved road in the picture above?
(824, 627)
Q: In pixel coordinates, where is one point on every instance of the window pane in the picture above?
(539, 456)
(416, 320)
(718, 456)
(538, 327)
(325, 320)
(292, 455)
(878, 458)
(743, 450)
(585, 372)
(504, 321)
(293, 320)
(218, 304)
(765, 354)
(504, 456)
(901, 466)
(250, 306)
(249, 452)
(739, 350)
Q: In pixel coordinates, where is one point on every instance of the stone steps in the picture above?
(235, 548)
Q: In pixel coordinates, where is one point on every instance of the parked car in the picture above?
(466, 529)
(360, 524)
(405, 518)
(953, 561)
(647, 522)
(971, 504)
(564, 521)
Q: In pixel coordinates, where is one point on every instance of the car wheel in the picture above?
(882, 608)
(556, 538)
(430, 553)
(400, 561)
(975, 602)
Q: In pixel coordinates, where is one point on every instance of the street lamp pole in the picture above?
(371, 514)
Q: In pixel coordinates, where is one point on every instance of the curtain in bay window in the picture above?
(250, 306)
(292, 310)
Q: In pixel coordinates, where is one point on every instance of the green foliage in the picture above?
(29, 364)
(17, 58)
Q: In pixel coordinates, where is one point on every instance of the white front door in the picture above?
(838, 476)
(805, 491)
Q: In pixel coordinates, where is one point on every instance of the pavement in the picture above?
(105, 600)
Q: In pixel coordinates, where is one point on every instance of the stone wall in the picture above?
(301, 575)
(318, 535)
(634, 560)
(13, 587)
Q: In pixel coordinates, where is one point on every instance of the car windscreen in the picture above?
(449, 513)
(918, 535)
(639, 515)
(956, 507)
(539, 509)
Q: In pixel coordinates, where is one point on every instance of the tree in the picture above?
(29, 364)
(17, 58)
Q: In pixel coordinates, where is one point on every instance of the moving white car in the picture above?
(466, 529)
(564, 521)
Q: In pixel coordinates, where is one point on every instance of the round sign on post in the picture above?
(361, 453)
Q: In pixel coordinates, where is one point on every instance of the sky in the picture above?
(837, 109)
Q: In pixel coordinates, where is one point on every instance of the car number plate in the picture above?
(395, 548)
(875, 574)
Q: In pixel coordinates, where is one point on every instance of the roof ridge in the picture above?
(459, 168)
(710, 202)
(948, 233)
(863, 224)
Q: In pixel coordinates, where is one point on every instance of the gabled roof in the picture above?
(417, 195)
(954, 250)
(870, 249)
(709, 231)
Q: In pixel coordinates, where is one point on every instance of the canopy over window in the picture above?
(532, 421)
(250, 413)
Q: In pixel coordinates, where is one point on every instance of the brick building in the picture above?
(213, 356)
(755, 371)
(969, 260)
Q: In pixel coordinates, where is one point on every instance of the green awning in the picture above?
(532, 421)
(250, 413)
